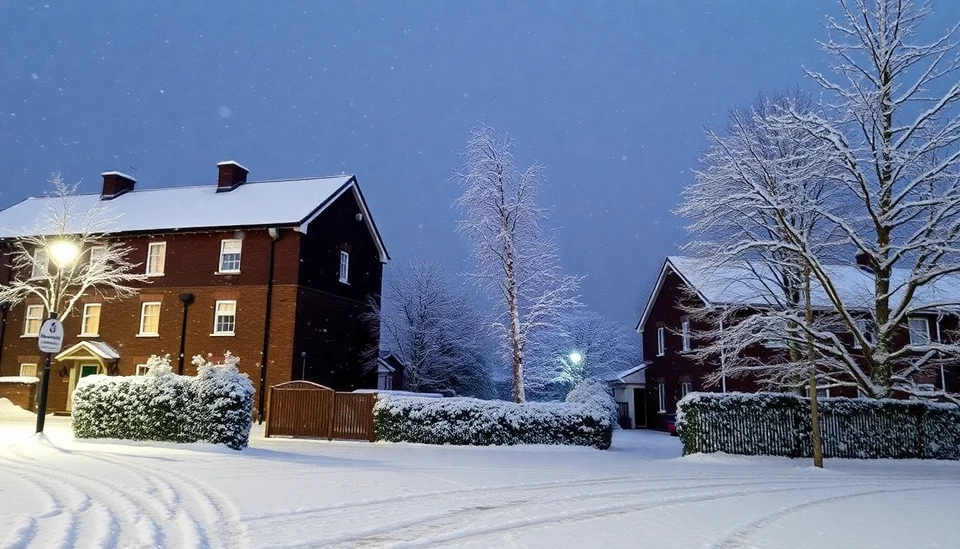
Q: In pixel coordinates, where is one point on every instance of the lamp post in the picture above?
(187, 299)
(63, 253)
(576, 357)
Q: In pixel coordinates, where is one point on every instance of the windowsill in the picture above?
(147, 335)
(88, 335)
(344, 282)
(687, 352)
(221, 273)
(662, 412)
(231, 334)
(30, 336)
(153, 274)
(662, 354)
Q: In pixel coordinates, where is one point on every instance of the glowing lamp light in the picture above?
(576, 357)
(64, 252)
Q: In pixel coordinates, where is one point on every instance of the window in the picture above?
(344, 267)
(41, 262)
(823, 393)
(230, 255)
(919, 331)
(865, 327)
(156, 257)
(97, 253)
(33, 320)
(90, 326)
(685, 332)
(661, 343)
(28, 370)
(150, 318)
(686, 387)
(662, 393)
(143, 369)
(384, 382)
(225, 320)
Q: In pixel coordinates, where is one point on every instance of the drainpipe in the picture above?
(723, 365)
(274, 237)
(187, 299)
(5, 308)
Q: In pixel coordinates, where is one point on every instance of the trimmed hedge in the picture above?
(470, 421)
(778, 424)
(215, 406)
(593, 392)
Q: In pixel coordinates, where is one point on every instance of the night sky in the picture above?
(612, 97)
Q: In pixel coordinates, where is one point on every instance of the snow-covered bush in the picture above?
(484, 422)
(215, 406)
(779, 424)
(593, 392)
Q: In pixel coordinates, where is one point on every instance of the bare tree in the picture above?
(894, 131)
(517, 261)
(429, 322)
(100, 265)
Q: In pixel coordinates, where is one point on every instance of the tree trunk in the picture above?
(811, 356)
(516, 341)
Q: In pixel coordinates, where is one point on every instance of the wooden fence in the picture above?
(305, 409)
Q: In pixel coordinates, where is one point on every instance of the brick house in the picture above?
(276, 272)
(670, 372)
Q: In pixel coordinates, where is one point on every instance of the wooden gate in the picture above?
(306, 409)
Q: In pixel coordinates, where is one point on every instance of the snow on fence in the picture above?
(779, 425)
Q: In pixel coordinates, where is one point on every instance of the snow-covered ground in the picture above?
(58, 492)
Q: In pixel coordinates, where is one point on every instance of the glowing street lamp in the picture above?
(63, 252)
(575, 357)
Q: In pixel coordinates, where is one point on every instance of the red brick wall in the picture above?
(23, 395)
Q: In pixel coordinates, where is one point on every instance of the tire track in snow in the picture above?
(397, 533)
(130, 512)
(223, 518)
(740, 537)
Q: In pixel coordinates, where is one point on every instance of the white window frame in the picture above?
(86, 315)
(216, 318)
(36, 369)
(143, 310)
(150, 269)
(865, 326)
(385, 382)
(662, 397)
(142, 369)
(239, 252)
(344, 267)
(911, 327)
(685, 335)
(686, 387)
(661, 341)
(94, 252)
(40, 269)
(27, 318)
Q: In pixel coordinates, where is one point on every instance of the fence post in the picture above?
(266, 428)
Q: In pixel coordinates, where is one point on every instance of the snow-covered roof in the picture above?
(97, 348)
(637, 374)
(751, 284)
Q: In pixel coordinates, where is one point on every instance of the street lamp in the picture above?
(575, 357)
(63, 253)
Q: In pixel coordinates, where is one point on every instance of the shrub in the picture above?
(595, 393)
(483, 422)
(215, 406)
(779, 424)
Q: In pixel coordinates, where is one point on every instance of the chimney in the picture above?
(863, 261)
(231, 175)
(115, 184)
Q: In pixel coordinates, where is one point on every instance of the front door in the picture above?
(78, 372)
(639, 407)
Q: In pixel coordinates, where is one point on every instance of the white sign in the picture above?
(50, 339)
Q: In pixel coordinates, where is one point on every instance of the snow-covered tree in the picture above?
(517, 261)
(893, 128)
(74, 236)
(428, 321)
(588, 345)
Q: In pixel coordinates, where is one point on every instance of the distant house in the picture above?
(669, 370)
(390, 371)
(277, 272)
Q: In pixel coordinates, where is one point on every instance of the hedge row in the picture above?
(215, 406)
(469, 421)
(779, 424)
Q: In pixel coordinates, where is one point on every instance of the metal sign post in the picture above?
(50, 340)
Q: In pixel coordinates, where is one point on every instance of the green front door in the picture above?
(88, 370)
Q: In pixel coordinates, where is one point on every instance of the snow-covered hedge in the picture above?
(488, 422)
(215, 406)
(596, 393)
(779, 424)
